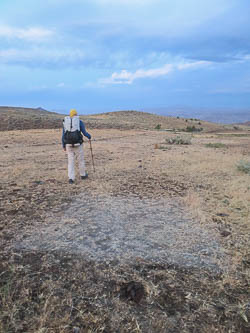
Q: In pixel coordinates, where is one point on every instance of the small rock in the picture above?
(38, 182)
(222, 214)
(76, 330)
(205, 252)
(225, 233)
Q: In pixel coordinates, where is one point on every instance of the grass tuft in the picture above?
(244, 166)
(216, 145)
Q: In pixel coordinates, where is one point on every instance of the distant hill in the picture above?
(247, 123)
(220, 115)
(144, 120)
(12, 118)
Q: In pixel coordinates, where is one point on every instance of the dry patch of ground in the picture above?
(56, 291)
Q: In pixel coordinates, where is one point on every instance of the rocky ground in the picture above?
(156, 240)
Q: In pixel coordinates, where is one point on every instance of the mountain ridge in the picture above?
(216, 115)
(12, 118)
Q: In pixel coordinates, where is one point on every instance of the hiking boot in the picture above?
(84, 177)
(71, 181)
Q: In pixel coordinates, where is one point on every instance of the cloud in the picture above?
(43, 57)
(126, 77)
(28, 34)
(194, 64)
(245, 57)
(38, 88)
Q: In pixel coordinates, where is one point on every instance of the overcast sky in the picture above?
(124, 54)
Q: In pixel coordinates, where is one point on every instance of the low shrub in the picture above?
(164, 148)
(244, 166)
(158, 127)
(193, 129)
(179, 140)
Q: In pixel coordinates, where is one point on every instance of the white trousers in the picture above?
(72, 152)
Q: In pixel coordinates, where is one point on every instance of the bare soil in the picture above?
(125, 228)
(156, 240)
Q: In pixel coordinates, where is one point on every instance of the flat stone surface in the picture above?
(107, 228)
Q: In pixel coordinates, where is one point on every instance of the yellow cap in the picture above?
(73, 113)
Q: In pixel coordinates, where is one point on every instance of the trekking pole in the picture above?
(92, 155)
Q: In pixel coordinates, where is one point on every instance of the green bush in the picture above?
(179, 140)
(193, 129)
(158, 127)
(244, 166)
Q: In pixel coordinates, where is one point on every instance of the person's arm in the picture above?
(63, 144)
(83, 130)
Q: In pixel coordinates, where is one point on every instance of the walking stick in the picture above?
(92, 155)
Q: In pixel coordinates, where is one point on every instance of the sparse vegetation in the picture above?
(244, 166)
(179, 140)
(193, 129)
(12, 118)
(216, 145)
(63, 292)
(237, 135)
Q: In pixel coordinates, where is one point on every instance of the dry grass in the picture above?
(12, 118)
(143, 120)
(59, 292)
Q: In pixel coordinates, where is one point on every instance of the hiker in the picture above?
(72, 140)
